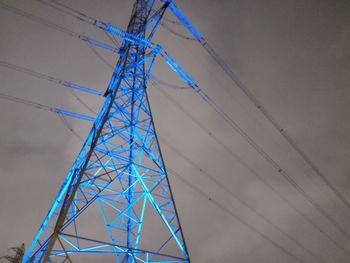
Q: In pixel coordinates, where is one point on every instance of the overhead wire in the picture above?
(113, 39)
(289, 139)
(163, 83)
(235, 127)
(171, 21)
(214, 180)
(37, 19)
(230, 213)
(69, 11)
(267, 157)
(30, 72)
(268, 116)
(80, 16)
(46, 77)
(153, 78)
(260, 150)
(81, 101)
(252, 171)
(45, 107)
(66, 10)
(99, 56)
(169, 29)
(68, 84)
(40, 106)
(49, 24)
(71, 129)
(26, 102)
(37, 105)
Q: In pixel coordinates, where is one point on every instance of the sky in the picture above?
(234, 206)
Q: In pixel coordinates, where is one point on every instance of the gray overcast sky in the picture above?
(293, 55)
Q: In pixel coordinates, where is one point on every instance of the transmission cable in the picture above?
(250, 95)
(27, 102)
(172, 21)
(230, 213)
(81, 101)
(54, 80)
(169, 29)
(234, 196)
(253, 172)
(65, 30)
(236, 128)
(49, 78)
(153, 78)
(67, 125)
(49, 24)
(99, 56)
(247, 138)
(113, 39)
(83, 17)
(45, 107)
(46, 77)
(273, 121)
(37, 19)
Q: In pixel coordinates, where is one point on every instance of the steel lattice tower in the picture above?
(119, 172)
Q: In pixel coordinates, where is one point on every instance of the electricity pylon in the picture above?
(13, 255)
(119, 172)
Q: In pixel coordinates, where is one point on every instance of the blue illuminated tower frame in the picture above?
(119, 169)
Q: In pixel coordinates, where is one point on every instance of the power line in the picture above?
(67, 125)
(50, 78)
(171, 21)
(253, 172)
(85, 105)
(43, 76)
(56, 27)
(234, 78)
(264, 154)
(88, 19)
(46, 107)
(99, 56)
(37, 19)
(169, 29)
(230, 213)
(113, 39)
(235, 127)
(153, 78)
(157, 81)
(236, 197)
(33, 73)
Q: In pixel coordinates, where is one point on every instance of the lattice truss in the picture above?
(116, 203)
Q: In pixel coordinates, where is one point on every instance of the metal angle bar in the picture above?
(184, 21)
(156, 207)
(123, 248)
(73, 114)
